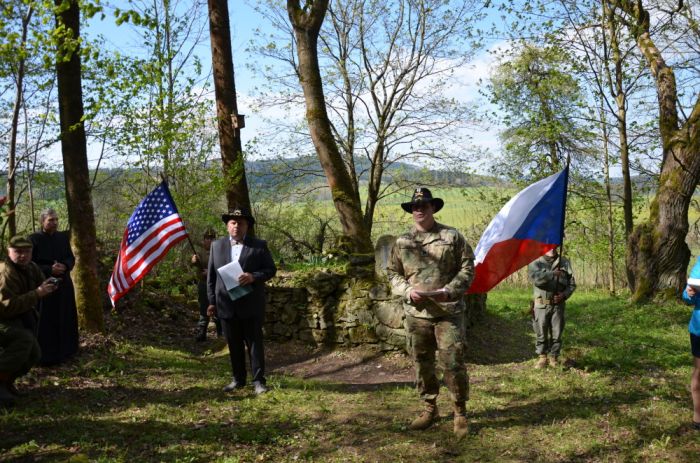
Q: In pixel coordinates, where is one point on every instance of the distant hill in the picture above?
(307, 171)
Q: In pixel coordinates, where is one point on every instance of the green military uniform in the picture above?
(18, 317)
(203, 299)
(548, 321)
(439, 258)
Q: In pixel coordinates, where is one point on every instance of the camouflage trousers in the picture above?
(19, 349)
(445, 336)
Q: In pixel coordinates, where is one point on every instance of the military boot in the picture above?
(461, 427)
(426, 418)
(541, 362)
(554, 361)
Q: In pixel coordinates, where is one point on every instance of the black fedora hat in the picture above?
(422, 195)
(238, 213)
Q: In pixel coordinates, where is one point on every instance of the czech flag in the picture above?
(528, 226)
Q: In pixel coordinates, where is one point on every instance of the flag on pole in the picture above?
(154, 227)
(528, 226)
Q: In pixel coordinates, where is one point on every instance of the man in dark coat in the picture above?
(241, 316)
(58, 324)
(21, 286)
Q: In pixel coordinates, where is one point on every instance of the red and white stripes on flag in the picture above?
(154, 227)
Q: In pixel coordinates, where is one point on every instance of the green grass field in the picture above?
(147, 393)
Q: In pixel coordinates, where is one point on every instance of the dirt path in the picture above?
(358, 366)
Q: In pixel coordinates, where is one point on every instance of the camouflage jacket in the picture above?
(546, 285)
(440, 258)
(18, 296)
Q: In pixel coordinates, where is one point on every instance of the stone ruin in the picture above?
(352, 308)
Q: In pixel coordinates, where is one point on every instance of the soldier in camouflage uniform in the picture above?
(554, 283)
(431, 267)
(22, 284)
(200, 265)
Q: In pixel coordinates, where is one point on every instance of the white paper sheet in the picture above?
(229, 274)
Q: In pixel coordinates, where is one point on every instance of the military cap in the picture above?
(238, 213)
(20, 242)
(422, 195)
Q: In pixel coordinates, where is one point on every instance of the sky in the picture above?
(244, 20)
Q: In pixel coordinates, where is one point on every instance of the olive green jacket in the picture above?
(546, 284)
(439, 258)
(18, 294)
(201, 266)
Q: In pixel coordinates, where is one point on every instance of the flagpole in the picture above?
(563, 211)
(563, 219)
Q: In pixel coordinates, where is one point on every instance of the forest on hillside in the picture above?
(348, 105)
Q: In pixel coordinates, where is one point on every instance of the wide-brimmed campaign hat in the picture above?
(238, 213)
(422, 195)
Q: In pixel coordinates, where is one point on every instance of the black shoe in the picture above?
(260, 388)
(201, 336)
(696, 426)
(233, 386)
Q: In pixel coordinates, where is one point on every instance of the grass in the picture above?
(145, 393)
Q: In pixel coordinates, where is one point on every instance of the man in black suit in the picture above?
(242, 318)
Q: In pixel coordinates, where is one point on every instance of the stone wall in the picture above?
(329, 308)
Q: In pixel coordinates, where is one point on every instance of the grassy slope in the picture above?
(149, 397)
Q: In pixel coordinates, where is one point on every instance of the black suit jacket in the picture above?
(255, 259)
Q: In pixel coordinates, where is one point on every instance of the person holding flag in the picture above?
(431, 268)
(554, 283)
(528, 227)
(201, 264)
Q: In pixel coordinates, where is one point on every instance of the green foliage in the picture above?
(150, 109)
(540, 98)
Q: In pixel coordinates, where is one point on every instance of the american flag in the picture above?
(153, 228)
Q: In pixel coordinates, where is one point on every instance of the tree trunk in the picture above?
(14, 128)
(307, 24)
(618, 89)
(657, 254)
(81, 216)
(374, 184)
(609, 201)
(226, 107)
